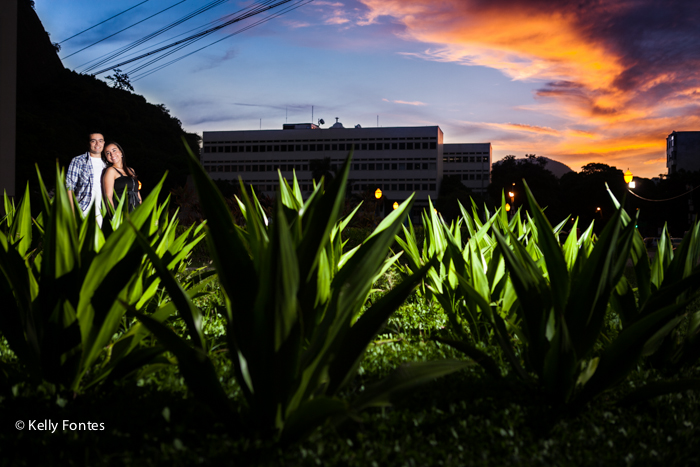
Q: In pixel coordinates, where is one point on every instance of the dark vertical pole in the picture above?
(8, 92)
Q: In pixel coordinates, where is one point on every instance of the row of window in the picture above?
(396, 166)
(465, 159)
(305, 167)
(459, 153)
(433, 138)
(335, 162)
(320, 147)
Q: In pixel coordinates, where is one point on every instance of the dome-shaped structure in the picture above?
(337, 124)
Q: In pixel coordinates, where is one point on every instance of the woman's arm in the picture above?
(108, 185)
(138, 191)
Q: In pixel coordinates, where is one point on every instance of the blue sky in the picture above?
(525, 76)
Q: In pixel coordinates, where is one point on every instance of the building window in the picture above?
(432, 185)
(394, 146)
(402, 187)
(402, 145)
(433, 145)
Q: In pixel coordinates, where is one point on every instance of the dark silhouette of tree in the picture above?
(121, 81)
(507, 175)
(452, 192)
(584, 192)
(322, 168)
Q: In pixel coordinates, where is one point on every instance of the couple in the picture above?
(94, 175)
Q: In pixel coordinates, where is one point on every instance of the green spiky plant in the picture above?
(471, 265)
(65, 288)
(563, 303)
(670, 279)
(296, 329)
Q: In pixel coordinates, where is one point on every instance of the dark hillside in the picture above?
(57, 108)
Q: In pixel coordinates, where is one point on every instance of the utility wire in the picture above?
(198, 35)
(121, 52)
(160, 67)
(128, 27)
(160, 31)
(102, 22)
(264, 20)
(667, 199)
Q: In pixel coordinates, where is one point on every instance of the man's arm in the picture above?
(72, 175)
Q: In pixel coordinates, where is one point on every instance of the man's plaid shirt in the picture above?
(79, 179)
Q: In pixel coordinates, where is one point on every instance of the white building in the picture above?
(398, 160)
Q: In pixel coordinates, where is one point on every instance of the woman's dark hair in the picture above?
(127, 169)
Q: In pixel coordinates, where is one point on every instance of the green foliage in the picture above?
(293, 300)
(67, 284)
(671, 281)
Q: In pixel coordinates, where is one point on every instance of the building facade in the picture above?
(683, 151)
(397, 160)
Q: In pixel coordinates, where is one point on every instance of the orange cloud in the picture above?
(626, 71)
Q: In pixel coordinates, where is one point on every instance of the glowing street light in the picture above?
(628, 176)
(378, 193)
(507, 207)
(395, 205)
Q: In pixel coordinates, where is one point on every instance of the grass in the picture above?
(462, 419)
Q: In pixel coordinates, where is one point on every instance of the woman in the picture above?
(119, 176)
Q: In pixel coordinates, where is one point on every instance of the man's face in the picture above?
(97, 142)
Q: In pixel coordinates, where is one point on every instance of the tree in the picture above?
(584, 192)
(321, 168)
(507, 175)
(121, 80)
(452, 191)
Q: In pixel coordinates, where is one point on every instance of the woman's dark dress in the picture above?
(132, 187)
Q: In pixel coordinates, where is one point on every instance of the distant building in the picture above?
(683, 151)
(397, 160)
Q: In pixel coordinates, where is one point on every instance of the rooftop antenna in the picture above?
(286, 112)
(377, 120)
(312, 113)
(261, 123)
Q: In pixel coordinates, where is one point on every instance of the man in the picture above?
(84, 177)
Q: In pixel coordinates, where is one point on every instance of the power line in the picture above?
(160, 31)
(128, 27)
(667, 199)
(198, 35)
(102, 22)
(123, 50)
(264, 20)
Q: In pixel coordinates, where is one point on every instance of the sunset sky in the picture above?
(577, 81)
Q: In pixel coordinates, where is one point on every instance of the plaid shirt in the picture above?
(79, 179)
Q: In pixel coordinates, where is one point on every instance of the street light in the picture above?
(511, 195)
(395, 205)
(378, 193)
(628, 176)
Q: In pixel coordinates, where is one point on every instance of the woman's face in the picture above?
(113, 154)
